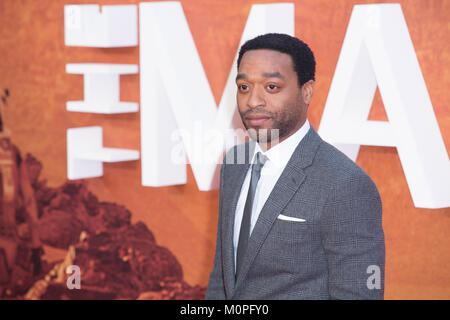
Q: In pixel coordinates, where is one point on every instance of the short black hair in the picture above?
(301, 54)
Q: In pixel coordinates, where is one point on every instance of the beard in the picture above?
(284, 122)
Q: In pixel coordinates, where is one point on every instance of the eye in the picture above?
(272, 87)
(243, 87)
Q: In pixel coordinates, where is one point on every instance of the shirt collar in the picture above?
(280, 153)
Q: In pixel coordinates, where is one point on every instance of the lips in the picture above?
(257, 119)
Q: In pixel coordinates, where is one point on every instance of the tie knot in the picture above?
(260, 159)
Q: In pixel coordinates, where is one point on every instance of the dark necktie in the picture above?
(244, 233)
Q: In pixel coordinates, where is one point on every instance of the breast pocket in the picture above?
(284, 248)
(292, 231)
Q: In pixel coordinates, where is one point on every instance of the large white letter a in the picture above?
(377, 49)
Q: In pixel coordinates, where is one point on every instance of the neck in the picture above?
(265, 146)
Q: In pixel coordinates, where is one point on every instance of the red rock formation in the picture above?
(117, 259)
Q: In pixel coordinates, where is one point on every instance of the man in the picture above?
(301, 220)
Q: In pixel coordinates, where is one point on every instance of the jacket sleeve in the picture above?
(353, 239)
(216, 287)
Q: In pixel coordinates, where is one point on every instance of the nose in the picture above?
(256, 98)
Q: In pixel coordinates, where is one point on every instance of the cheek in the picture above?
(285, 111)
(241, 103)
(277, 104)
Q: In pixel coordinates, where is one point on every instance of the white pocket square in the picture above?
(287, 218)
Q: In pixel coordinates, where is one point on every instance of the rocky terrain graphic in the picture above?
(117, 259)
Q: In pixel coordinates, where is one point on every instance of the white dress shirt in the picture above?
(277, 158)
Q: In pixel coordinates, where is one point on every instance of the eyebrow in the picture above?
(266, 75)
(273, 75)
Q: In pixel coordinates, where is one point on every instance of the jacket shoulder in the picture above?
(340, 172)
(238, 154)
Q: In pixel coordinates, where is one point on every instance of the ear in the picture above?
(307, 91)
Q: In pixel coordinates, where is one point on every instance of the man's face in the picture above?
(269, 96)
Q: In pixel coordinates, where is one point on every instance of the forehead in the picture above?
(264, 60)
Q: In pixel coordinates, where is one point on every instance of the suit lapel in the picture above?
(287, 185)
(235, 175)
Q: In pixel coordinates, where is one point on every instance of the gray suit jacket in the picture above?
(337, 253)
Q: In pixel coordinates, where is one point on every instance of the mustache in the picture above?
(258, 111)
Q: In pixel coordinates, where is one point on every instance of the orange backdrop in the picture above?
(32, 67)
